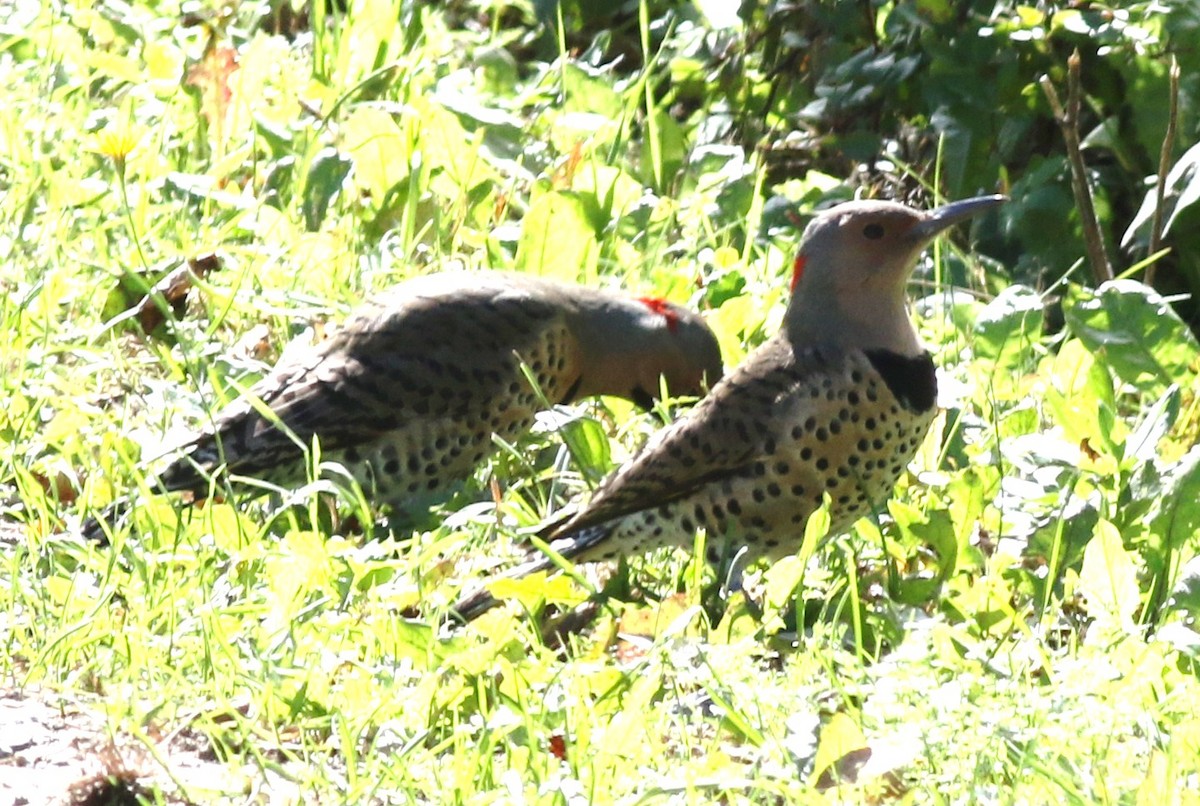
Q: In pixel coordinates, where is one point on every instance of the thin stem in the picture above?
(1164, 165)
(133, 233)
(1068, 121)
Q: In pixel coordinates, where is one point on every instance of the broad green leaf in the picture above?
(1008, 327)
(557, 239)
(589, 91)
(663, 154)
(326, 174)
(1080, 387)
(606, 193)
(934, 529)
(841, 750)
(782, 579)
(451, 152)
(536, 589)
(1155, 423)
(1109, 579)
(1185, 595)
(1175, 521)
(1134, 331)
(589, 445)
(379, 150)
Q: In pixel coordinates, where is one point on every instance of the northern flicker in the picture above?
(836, 402)
(408, 394)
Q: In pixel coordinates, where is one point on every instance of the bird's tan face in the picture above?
(874, 243)
(850, 275)
(859, 245)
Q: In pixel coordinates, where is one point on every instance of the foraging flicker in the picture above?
(408, 394)
(836, 402)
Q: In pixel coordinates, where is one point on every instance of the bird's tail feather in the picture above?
(93, 527)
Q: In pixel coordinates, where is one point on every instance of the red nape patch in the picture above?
(798, 270)
(663, 308)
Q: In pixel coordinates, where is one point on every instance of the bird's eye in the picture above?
(873, 231)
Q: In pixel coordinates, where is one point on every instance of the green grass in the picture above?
(1017, 628)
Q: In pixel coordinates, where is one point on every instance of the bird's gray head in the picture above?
(689, 358)
(849, 277)
(632, 344)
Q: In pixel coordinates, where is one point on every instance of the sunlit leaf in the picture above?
(841, 752)
(326, 174)
(1109, 579)
(1008, 327)
(378, 149)
(557, 239)
(1133, 330)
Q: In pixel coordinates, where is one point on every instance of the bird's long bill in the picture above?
(950, 214)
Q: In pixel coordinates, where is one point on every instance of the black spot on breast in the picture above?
(912, 381)
(391, 467)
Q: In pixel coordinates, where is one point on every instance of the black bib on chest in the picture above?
(913, 381)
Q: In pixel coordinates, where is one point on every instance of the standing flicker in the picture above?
(836, 402)
(408, 394)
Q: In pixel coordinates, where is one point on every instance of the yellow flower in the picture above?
(116, 141)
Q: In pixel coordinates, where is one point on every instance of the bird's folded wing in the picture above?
(721, 438)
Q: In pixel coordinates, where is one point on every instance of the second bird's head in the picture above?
(632, 344)
(687, 357)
